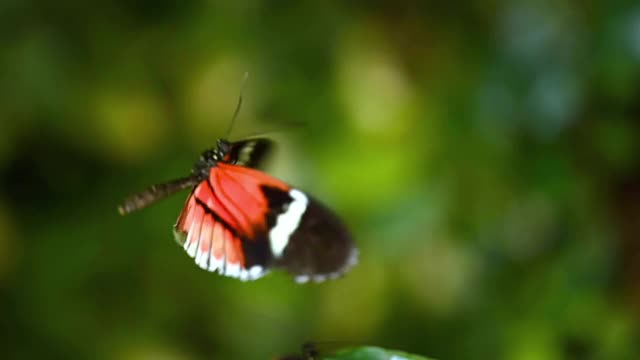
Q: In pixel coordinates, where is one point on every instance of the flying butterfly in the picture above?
(242, 223)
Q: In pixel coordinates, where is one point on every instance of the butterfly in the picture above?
(242, 222)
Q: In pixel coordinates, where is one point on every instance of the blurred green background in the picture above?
(485, 155)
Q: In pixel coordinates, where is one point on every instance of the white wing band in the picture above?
(287, 222)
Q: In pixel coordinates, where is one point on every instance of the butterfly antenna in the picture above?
(239, 104)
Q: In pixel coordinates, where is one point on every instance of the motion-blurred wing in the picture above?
(250, 152)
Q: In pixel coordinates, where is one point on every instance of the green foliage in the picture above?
(485, 156)
(372, 353)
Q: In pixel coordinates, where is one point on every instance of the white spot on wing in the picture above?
(214, 264)
(193, 245)
(207, 261)
(253, 273)
(203, 259)
(301, 279)
(352, 261)
(244, 275)
(256, 271)
(319, 278)
(232, 270)
(287, 222)
(192, 249)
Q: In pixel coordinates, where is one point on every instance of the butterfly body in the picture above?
(241, 222)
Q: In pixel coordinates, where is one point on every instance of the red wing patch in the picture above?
(223, 217)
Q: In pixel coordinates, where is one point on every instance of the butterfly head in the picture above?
(223, 147)
(210, 158)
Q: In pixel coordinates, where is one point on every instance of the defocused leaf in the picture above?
(373, 353)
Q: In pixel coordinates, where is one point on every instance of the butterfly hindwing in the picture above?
(306, 238)
(250, 152)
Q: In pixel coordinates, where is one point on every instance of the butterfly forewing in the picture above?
(212, 234)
